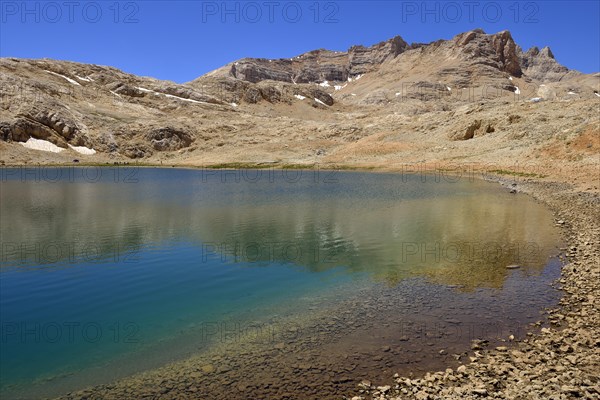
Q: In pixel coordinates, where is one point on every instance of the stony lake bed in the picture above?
(559, 361)
(322, 345)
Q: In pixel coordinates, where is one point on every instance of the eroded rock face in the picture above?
(506, 52)
(55, 126)
(541, 65)
(476, 128)
(498, 50)
(318, 65)
(58, 121)
(319, 94)
(252, 95)
(134, 151)
(254, 71)
(21, 129)
(365, 59)
(168, 139)
(184, 92)
(271, 93)
(238, 91)
(107, 143)
(127, 90)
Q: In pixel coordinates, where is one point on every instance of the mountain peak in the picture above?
(541, 65)
(547, 52)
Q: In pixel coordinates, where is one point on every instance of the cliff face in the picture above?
(473, 48)
(315, 66)
(498, 50)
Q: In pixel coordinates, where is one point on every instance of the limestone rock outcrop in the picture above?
(169, 139)
(317, 65)
(541, 65)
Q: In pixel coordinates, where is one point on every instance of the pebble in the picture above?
(207, 369)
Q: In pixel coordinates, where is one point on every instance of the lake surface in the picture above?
(108, 272)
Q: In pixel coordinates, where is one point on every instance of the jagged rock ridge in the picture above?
(315, 66)
(495, 50)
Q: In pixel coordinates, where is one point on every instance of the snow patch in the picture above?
(233, 104)
(178, 98)
(517, 90)
(597, 94)
(449, 88)
(319, 101)
(324, 84)
(87, 79)
(83, 150)
(299, 97)
(353, 94)
(339, 87)
(74, 82)
(510, 78)
(170, 96)
(398, 94)
(43, 145)
(535, 99)
(572, 93)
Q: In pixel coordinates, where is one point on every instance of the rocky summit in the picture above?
(361, 105)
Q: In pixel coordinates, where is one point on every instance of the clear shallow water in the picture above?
(122, 270)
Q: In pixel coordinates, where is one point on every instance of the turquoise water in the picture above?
(124, 269)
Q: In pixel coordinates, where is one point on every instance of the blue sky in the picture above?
(181, 40)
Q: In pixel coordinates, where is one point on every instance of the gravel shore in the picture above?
(561, 361)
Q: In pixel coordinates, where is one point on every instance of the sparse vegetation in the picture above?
(516, 173)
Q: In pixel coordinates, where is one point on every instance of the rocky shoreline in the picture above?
(558, 362)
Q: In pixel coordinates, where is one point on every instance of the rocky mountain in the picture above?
(492, 53)
(316, 107)
(472, 59)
